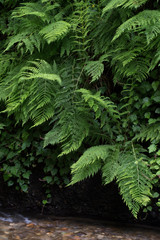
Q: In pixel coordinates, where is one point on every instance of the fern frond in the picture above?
(111, 165)
(75, 134)
(134, 180)
(30, 8)
(132, 174)
(29, 40)
(94, 69)
(55, 31)
(33, 90)
(42, 113)
(123, 3)
(89, 163)
(137, 69)
(40, 69)
(71, 121)
(94, 101)
(156, 59)
(81, 22)
(150, 132)
(140, 22)
(53, 137)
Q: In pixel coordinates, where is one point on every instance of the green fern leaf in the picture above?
(95, 101)
(31, 8)
(53, 137)
(140, 22)
(134, 180)
(111, 166)
(33, 91)
(73, 133)
(30, 41)
(41, 69)
(94, 69)
(151, 132)
(155, 60)
(55, 31)
(89, 163)
(123, 3)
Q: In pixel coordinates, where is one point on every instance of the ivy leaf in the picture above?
(156, 99)
(48, 179)
(155, 85)
(44, 202)
(155, 195)
(26, 174)
(24, 188)
(2, 126)
(157, 110)
(152, 148)
(10, 183)
(120, 138)
(147, 115)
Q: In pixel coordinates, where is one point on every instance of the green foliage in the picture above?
(123, 3)
(24, 152)
(132, 174)
(33, 91)
(147, 22)
(94, 69)
(99, 103)
(81, 76)
(55, 31)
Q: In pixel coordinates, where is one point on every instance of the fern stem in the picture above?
(136, 161)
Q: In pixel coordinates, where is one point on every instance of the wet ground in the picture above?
(19, 227)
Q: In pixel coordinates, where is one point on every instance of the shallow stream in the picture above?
(15, 226)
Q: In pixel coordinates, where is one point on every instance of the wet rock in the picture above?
(4, 237)
(100, 236)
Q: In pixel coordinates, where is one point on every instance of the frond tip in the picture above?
(89, 163)
(55, 31)
(123, 3)
(94, 69)
(40, 70)
(139, 22)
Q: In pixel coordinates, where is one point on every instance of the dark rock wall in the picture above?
(86, 199)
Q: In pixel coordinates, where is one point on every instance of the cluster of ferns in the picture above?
(85, 68)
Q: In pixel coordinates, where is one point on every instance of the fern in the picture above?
(95, 101)
(39, 69)
(89, 163)
(81, 24)
(95, 69)
(151, 132)
(34, 91)
(55, 31)
(31, 8)
(140, 22)
(123, 3)
(134, 180)
(111, 165)
(30, 41)
(132, 174)
(68, 115)
(156, 59)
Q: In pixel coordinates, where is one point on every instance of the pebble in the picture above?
(100, 236)
(70, 230)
